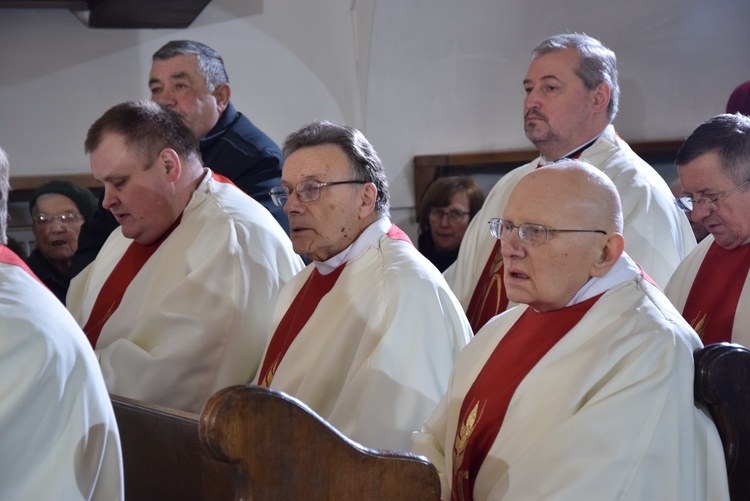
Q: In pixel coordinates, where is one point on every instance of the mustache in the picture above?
(535, 113)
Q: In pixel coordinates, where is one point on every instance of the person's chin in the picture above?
(516, 294)
(300, 242)
(128, 231)
(58, 254)
(727, 242)
(445, 246)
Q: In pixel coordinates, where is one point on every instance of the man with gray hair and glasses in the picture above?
(572, 97)
(711, 286)
(366, 335)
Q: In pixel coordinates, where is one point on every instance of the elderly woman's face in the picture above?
(448, 224)
(57, 240)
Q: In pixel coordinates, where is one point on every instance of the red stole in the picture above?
(714, 296)
(111, 293)
(7, 256)
(300, 311)
(485, 404)
(489, 296)
(294, 319)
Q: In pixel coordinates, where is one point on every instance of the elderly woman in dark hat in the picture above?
(58, 209)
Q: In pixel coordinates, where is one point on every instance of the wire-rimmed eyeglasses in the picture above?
(307, 191)
(70, 217)
(687, 204)
(454, 215)
(531, 233)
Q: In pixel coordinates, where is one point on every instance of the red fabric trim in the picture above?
(294, 319)
(396, 233)
(7, 256)
(715, 293)
(486, 403)
(222, 179)
(646, 277)
(111, 293)
(489, 298)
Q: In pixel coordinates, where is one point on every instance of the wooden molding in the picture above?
(18, 183)
(427, 168)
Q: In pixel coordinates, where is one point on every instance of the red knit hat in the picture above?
(739, 101)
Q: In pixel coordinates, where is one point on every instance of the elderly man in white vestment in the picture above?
(711, 287)
(59, 436)
(178, 301)
(367, 334)
(584, 390)
(572, 97)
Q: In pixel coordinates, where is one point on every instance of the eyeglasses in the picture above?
(43, 219)
(454, 215)
(531, 233)
(687, 204)
(307, 191)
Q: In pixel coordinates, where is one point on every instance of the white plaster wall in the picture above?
(416, 76)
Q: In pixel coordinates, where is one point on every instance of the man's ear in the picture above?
(602, 95)
(369, 197)
(222, 93)
(170, 162)
(610, 253)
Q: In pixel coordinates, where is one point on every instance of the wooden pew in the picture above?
(281, 450)
(163, 458)
(722, 384)
(253, 443)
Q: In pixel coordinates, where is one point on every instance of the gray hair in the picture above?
(363, 158)
(4, 189)
(726, 135)
(597, 63)
(210, 63)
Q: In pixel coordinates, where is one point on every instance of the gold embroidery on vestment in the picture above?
(459, 446)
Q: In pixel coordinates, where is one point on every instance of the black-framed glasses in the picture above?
(307, 191)
(687, 204)
(535, 234)
(454, 215)
(43, 219)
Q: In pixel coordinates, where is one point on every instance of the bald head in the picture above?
(581, 210)
(575, 190)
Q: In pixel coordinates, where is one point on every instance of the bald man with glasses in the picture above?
(711, 287)
(367, 334)
(585, 389)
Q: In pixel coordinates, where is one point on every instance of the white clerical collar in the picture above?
(368, 238)
(624, 270)
(576, 152)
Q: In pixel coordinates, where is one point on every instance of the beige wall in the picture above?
(417, 76)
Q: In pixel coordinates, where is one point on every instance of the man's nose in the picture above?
(531, 101)
(700, 211)
(163, 98)
(110, 199)
(293, 204)
(511, 245)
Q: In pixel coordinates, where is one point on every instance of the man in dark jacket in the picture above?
(189, 78)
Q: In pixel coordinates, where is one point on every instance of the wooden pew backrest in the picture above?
(283, 450)
(722, 384)
(163, 458)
